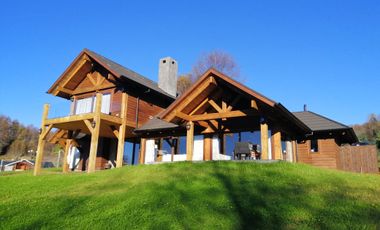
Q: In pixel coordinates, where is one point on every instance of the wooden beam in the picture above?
(89, 126)
(95, 135)
(214, 116)
(190, 141)
(122, 128)
(190, 98)
(71, 75)
(64, 90)
(46, 131)
(41, 142)
(199, 106)
(254, 105)
(264, 140)
(224, 106)
(92, 88)
(142, 151)
(215, 106)
(90, 77)
(207, 147)
(276, 137)
(183, 116)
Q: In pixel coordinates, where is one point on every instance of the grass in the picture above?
(210, 195)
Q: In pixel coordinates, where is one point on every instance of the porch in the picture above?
(95, 123)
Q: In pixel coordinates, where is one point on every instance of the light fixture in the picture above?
(39, 130)
(93, 124)
(188, 126)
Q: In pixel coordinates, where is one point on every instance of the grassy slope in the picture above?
(227, 195)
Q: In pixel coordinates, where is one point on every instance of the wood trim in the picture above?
(71, 75)
(215, 106)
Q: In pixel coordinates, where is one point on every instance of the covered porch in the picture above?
(217, 112)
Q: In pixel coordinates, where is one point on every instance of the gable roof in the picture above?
(117, 70)
(18, 161)
(280, 109)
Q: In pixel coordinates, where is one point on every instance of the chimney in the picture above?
(167, 75)
(305, 108)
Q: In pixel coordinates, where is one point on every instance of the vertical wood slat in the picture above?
(95, 135)
(264, 141)
(41, 142)
(122, 128)
(190, 141)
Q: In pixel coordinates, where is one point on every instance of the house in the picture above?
(112, 105)
(19, 165)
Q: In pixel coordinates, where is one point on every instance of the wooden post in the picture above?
(122, 128)
(277, 145)
(65, 165)
(142, 151)
(41, 142)
(264, 140)
(189, 141)
(95, 135)
(207, 147)
(295, 151)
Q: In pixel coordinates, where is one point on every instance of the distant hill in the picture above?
(207, 195)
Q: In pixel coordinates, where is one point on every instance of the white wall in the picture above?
(150, 151)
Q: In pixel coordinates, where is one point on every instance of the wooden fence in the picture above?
(361, 159)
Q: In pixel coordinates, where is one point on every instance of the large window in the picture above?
(87, 105)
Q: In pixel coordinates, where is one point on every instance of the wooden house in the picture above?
(111, 104)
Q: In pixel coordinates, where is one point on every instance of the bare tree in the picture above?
(183, 83)
(217, 59)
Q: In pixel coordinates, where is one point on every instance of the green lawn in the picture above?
(211, 195)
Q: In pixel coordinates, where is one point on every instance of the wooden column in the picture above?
(295, 151)
(122, 128)
(276, 137)
(95, 135)
(207, 147)
(189, 141)
(41, 141)
(142, 151)
(65, 166)
(264, 141)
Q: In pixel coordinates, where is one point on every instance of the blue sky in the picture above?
(325, 54)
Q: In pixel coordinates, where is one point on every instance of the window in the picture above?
(314, 145)
(87, 105)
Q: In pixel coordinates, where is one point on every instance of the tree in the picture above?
(183, 83)
(217, 59)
